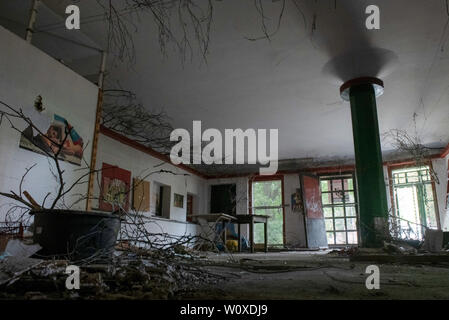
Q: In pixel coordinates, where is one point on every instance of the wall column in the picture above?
(372, 197)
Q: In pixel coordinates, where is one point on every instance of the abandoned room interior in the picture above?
(224, 150)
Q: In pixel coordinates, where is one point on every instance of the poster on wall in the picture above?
(115, 188)
(178, 200)
(59, 132)
(297, 205)
(141, 195)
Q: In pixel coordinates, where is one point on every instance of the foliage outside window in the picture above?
(268, 194)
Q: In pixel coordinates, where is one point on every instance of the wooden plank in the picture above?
(93, 158)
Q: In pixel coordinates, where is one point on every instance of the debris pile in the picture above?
(143, 274)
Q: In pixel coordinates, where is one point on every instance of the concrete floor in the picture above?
(318, 275)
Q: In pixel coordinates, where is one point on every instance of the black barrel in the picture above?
(75, 235)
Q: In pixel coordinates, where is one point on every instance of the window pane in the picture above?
(425, 175)
(329, 224)
(339, 212)
(327, 212)
(412, 177)
(340, 224)
(326, 198)
(340, 237)
(350, 211)
(338, 197)
(351, 224)
(336, 185)
(395, 179)
(325, 185)
(349, 184)
(330, 238)
(349, 197)
(352, 237)
(429, 191)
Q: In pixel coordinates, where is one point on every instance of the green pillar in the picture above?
(372, 197)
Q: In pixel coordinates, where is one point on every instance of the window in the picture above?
(267, 200)
(414, 203)
(340, 210)
(163, 195)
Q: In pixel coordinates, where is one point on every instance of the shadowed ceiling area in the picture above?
(288, 82)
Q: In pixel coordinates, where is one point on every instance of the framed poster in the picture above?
(178, 201)
(115, 188)
(59, 132)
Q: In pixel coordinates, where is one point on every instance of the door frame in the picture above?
(406, 165)
(260, 178)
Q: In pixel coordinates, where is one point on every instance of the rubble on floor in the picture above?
(179, 272)
(397, 251)
(142, 274)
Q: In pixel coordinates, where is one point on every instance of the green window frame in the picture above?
(425, 215)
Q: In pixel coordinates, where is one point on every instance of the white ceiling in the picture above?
(286, 83)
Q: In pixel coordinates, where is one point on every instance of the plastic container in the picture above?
(75, 235)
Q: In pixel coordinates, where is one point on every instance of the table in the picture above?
(215, 218)
(251, 219)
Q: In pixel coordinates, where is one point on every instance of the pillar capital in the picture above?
(378, 86)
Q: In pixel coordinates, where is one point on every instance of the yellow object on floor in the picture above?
(232, 245)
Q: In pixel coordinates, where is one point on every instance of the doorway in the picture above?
(266, 194)
(414, 202)
(223, 199)
(163, 195)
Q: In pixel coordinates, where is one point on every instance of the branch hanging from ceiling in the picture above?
(412, 145)
(267, 34)
(123, 114)
(186, 24)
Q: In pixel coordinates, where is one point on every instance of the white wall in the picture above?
(25, 73)
(141, 164)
